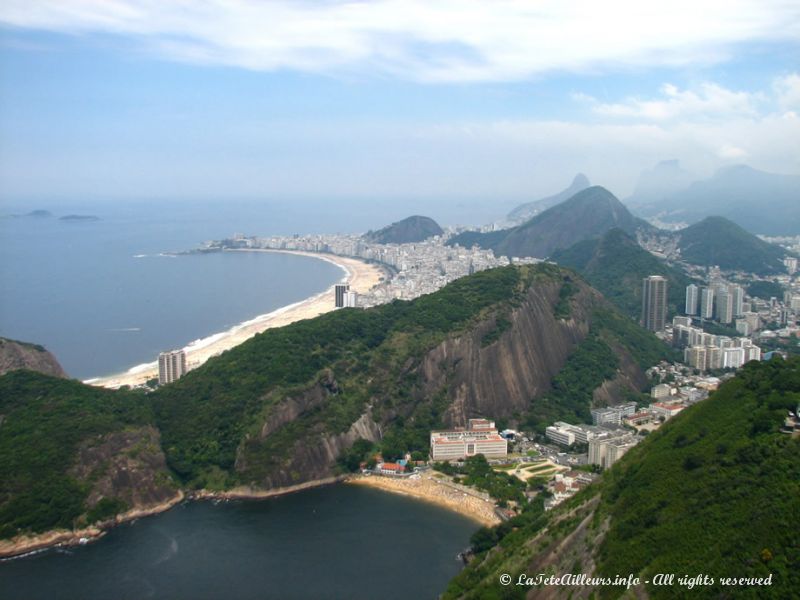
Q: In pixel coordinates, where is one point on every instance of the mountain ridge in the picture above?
(528, 210)
(587, 214)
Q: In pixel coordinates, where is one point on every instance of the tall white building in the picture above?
(171, 366)
(724, 307)
(706, 303)
(692, 298)
(738, 300)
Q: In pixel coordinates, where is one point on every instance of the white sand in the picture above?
(360, 275)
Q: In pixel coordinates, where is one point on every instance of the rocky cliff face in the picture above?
(21, 355)
(501, 378)
(496, 368)
(128, 466)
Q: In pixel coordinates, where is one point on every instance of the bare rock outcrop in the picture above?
(127, 465)
(22, 355)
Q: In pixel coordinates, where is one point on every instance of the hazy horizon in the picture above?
(382, 99)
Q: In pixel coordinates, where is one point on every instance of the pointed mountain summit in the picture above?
(586, 215)
(411, 229)
(525, 212)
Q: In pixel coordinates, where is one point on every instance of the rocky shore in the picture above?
(26, 544)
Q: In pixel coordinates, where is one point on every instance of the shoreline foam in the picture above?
(361, 276)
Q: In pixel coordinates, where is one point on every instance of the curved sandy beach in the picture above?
(430, 489)
(360, 275)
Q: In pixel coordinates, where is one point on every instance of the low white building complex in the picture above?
(480, 437)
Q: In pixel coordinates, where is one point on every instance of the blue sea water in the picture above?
(103, 296)
(337, 542)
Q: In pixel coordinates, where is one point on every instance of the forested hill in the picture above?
(715, 491)
(586, 215)
(718, 241)
(615, 264)
(529, 344)
(411, 229)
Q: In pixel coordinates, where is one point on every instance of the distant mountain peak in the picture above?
(580, 180)
(719, 241)
(415, 228)
(588, 214)
(737, 192)
(526, 211)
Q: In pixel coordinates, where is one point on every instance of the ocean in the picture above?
(105, 295)
(339, 541)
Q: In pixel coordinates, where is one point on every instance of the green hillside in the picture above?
(255, 415)
(615, 264)
(409, 230)
(43, 419)
(715, 491)
(586, 215)
(718, 241)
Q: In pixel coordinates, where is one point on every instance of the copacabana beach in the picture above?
(360, 275)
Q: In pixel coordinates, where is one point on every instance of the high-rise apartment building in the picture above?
(654, 302)
(706, 303)
(738, 300)
(340, 294)
(724, 307)
(692, 297)
(171, 366)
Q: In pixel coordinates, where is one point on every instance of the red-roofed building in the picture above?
(391, 469)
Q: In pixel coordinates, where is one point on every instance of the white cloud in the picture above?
(787, 90)
(424, 40)
(709, 101)
(732, 153)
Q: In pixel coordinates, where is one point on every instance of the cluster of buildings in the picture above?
(721, 302)
(705, 351)
(480, 437)
(344, 297)
(417, 269)
(607, 440)
(565, 485)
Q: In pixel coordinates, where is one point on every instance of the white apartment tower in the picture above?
(171, 366)
(706, 303)
(692, 297)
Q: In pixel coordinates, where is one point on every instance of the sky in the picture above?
(501, 99)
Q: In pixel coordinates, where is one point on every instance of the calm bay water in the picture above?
(334, 542)
(102, 297)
